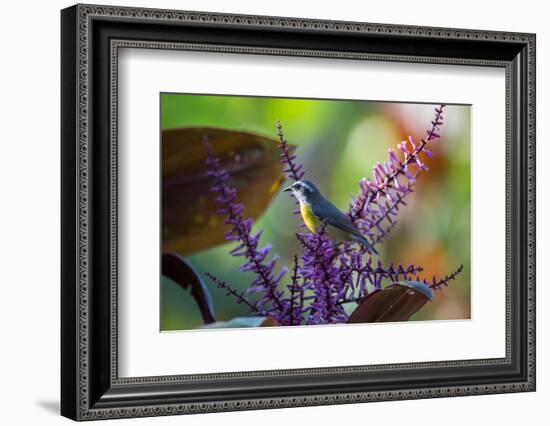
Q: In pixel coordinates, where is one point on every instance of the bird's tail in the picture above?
(362, 240)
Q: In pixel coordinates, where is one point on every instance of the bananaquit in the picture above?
(316, 210)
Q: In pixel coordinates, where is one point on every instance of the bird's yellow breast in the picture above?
(311, 221)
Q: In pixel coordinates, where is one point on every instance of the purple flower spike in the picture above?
(293, 170)
(319, 266)
(437, 284)
(240, 229)
(391, 184)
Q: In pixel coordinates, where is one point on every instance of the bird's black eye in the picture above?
(306, 189)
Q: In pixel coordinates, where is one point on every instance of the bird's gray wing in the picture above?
(329, 213)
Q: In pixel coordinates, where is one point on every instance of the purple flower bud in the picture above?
(408, 174)
(420, 164)
(428, 153)
(411, 141)
(392, 156)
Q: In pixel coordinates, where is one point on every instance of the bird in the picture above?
(316, 210)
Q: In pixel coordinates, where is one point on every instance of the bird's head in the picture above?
(303, 190)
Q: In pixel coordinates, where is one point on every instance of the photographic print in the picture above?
(301, 212)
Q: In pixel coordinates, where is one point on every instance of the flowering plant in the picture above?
(324, 278)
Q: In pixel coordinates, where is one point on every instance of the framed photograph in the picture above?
(263, 212)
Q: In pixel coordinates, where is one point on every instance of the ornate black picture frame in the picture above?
(91, 36)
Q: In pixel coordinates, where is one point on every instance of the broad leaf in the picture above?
(397, 302)
(190, 221)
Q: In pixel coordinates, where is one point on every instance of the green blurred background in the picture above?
(339, 142)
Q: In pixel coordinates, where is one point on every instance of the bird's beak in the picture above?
(288, 188)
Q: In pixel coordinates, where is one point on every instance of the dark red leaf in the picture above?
(397, 302)
(178, 270)
(190, 221)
